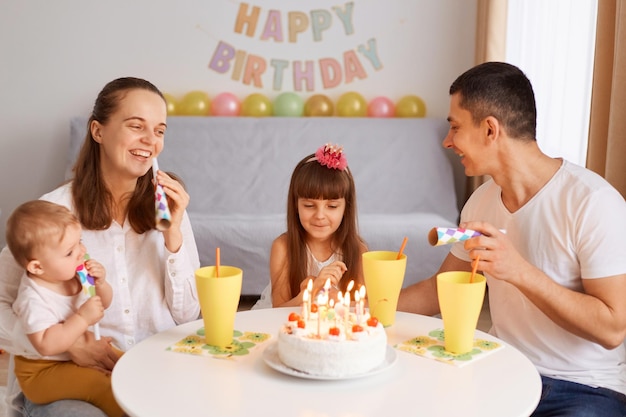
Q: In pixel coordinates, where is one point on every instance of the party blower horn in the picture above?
(89, 287)
(163, 215)
(446, 235)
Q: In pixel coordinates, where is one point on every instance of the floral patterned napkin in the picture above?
(243, 342)
(432, 346)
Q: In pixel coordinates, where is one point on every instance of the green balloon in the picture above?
(288, 105)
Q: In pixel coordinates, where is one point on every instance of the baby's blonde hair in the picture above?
(35, 224)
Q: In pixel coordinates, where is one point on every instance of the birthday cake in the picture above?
(332, 345)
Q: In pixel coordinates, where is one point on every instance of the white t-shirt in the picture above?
(40, 308)
(573, 227)
(153, 289)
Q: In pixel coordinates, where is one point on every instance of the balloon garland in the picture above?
(289, 104)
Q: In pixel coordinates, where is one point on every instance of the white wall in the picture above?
(55, 56)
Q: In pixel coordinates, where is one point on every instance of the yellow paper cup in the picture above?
(460, 303)
(384, 275)
(219, 299)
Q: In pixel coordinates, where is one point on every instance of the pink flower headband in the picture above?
(331, 156)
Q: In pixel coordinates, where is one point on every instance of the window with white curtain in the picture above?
(553, 42)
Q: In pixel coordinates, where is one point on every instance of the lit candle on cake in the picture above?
(362, 301)
(321, 301)
(357, 306)
(348, 290)
(327, 290)
(350, 286)
(331, 311)
(305, 304)
(339, 304)
(346, 306)
(309, 289)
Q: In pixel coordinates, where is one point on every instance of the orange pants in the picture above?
(45, 381)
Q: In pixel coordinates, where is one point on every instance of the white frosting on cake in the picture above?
(346, 354)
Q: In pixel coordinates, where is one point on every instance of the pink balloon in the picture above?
(381, 107)
(225, 104)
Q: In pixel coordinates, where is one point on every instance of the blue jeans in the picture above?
(64, 408)
(564, 398)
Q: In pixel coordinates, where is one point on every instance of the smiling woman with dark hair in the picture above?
(112, 193)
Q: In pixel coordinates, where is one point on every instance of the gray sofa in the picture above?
(237, 172)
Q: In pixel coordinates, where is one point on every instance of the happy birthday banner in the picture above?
(292, 26)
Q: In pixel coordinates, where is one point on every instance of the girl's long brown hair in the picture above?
(93, 201)
(312, 180)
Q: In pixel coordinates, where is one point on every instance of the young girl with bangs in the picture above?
(322, 241)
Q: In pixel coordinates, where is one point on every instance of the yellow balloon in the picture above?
(351, 104)
(195, 103)
(173, 105)
(319, 105)
(256, 105)
(410, 106)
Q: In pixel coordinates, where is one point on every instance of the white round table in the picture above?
(150, 381)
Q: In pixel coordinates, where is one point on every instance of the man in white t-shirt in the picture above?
(557, 277)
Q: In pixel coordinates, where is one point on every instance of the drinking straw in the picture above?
(217, 262)
(89, 287)
(402, 247)
(474, 268)
(163, 215)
